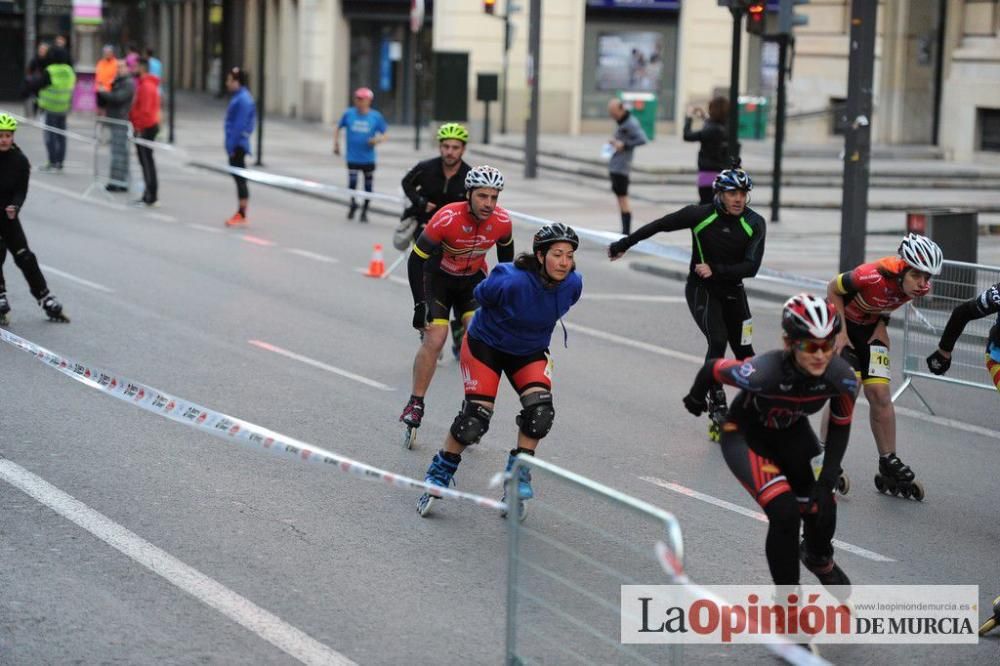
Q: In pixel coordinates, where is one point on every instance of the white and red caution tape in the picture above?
(230, 428)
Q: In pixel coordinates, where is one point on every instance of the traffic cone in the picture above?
(376, 267)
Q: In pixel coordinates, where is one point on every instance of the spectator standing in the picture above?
(106, 70)
(713, 156)
(54, 86)
(240, 117)
(155, 66)
(132, 59)
(116, 103)
(32, 73)
(145, 117)
(628, 135)
(364, 128)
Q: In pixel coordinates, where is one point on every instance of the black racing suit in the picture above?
(733, 247)
(768, 444)
(14, 173)
(426, 183)
(983, 305)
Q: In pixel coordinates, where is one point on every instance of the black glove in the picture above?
(420, 316)
(821, 499)
(620, 246)
(938, 363)
(696, 406)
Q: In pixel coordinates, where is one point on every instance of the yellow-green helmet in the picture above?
(7, 123)
(453, 131)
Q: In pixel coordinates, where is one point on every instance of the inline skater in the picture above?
(434, 183)
(983, 305)
(447, 262)
(864, 297)
(767, 441)
(728, 246)
(520, 304)
(15, 170)
(364, 128)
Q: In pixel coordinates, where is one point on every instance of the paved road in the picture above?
(324, 565)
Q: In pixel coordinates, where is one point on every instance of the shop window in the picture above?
(989, 130)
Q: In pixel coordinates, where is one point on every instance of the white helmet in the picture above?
(921, 253)
(808, 316)
(484, 176)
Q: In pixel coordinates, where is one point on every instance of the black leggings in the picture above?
(148, 165)
(238, 159)
(12, 238)
(720, 313)
(777, 472)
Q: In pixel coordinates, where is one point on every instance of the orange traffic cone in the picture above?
(376, 267)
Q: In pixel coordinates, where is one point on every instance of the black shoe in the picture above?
(352, 210)
(364, 217)
(115, 188)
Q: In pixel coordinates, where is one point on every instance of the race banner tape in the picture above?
(227, 427)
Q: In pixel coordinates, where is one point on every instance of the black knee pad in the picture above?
(537, 415)
(24, 258)
(471, 423)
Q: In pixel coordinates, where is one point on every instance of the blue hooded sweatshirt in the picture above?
(517, 312)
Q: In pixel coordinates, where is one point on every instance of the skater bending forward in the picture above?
(767, 441)
(519, 306)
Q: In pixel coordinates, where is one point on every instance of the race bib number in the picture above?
(746, 338)
(549, 364)
(878, 362)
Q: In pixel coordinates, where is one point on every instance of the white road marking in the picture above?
(78, 280)
(319, 364)
(312, 255)
(205, 227)
(756, 515)
(98, 202)
(257, 240)
(390, 277)
(244, 612)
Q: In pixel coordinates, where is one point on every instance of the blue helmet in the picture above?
(732, 179)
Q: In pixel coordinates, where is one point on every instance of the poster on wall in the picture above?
(629, 61)
(87, 12)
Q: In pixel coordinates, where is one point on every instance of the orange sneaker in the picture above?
(236, 220)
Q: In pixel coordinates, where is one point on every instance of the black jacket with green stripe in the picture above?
(732, 246)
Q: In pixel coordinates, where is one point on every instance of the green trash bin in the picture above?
(753, 117)
(643, 106)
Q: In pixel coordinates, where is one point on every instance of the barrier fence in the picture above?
(565, 572)
(112, 164)
(922, 329)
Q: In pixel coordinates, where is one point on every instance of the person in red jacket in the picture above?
(145, 118)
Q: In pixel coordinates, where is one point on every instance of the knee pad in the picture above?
(537, 415)
(471, 423)
(24, 257)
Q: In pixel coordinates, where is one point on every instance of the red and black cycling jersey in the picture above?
(462, 240)
(983, 305)
(775, 394)
(872, 290)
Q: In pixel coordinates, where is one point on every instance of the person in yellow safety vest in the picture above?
(55, 97)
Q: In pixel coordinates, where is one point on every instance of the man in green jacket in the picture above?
(55, 97)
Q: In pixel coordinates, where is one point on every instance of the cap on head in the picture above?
(364, 93)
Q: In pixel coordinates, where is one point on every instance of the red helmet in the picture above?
(364, 93)
(808, 316)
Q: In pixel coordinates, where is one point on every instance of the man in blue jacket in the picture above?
(240, 118)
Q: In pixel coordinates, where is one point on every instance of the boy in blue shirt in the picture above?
(365, 128)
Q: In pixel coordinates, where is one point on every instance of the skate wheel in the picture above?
(879, 483)
(409, 437)
(904, 492)
(917, 491)
(843, 484)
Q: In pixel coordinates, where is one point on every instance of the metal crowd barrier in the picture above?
(565, 572)
(112, 165)
(922, 329)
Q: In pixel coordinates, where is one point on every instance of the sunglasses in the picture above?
(813, 346)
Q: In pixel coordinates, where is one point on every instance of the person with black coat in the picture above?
(713, 156)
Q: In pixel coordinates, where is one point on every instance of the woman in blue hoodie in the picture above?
(519, 306)
(240, 119)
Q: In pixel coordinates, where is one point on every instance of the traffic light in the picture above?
(787, 18)
(756, 12)
(490, 6)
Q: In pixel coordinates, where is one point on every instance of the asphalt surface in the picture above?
(173, 299)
